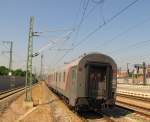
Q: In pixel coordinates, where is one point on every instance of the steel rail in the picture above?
(134, 97)
(126, 103)
(8, 93)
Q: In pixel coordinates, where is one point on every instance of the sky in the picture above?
(68, 25)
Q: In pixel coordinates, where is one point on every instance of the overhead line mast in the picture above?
(28, 84)
(30, 55)
(41, 70)
(10, 57)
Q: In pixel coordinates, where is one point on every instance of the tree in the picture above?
(19, 72)
(3, 70)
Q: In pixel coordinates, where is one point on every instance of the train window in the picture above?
(101, 77)
(53, 77)
(59, 76)
(64, 76)
(56, 76)
(50, 77)
(74, 74)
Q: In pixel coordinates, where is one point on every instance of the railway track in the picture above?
(139, 104)
(61, 112)
(6, 97)
(88, 116)
(5, 94)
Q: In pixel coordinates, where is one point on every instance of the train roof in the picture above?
(77, 60)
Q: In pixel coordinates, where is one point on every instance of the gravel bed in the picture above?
(60, 112)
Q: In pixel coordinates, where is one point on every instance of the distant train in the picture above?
(87, 82)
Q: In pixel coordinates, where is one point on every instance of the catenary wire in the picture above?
(98, 28)
(129, 46)
(108, 42)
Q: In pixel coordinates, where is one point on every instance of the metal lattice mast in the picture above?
(10, 57)
(10, 62)
(29, 62)
(41, 71)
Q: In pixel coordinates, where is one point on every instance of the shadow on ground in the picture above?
(115, 112)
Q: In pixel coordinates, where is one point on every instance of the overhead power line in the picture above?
(84, 15)
(59, 49)
(106, 22)
(85, 6)
(59, 30)
(97, 1)
(94, 7)
(129, 46)
(99, 27)
(133, 57)
(108, 42)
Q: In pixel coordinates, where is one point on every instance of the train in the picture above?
(88, 82)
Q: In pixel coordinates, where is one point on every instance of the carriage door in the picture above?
(97, 81)
(109, 82)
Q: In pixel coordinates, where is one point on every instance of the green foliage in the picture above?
(134, 75)
(130, 74)
(18, 72)
(3, 70)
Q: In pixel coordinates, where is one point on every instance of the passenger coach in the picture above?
(89, 81)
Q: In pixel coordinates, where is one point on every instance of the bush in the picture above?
(3, 71)
(18, 72)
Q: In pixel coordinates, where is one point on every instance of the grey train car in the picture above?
(87, 82)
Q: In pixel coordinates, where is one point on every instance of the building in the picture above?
(122, 74)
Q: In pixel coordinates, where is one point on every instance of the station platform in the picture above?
(135, 90)
(132, 81)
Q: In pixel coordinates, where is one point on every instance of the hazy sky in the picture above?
(121, 38)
